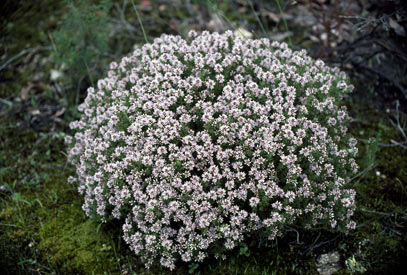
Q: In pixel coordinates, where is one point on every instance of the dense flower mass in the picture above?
(198, 143)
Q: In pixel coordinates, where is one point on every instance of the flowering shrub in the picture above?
(198, 143)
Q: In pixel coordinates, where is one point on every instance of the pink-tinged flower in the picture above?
(254, 201)
(184, 138)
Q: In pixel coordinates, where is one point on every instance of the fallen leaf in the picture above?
(162, 7)
(242, 10)
(313, 38)
(60, 112)
(281, 36)
(398, 29)
(273, 17)
(145, 3)
(35, 112)
(39, 86)
(25, 92)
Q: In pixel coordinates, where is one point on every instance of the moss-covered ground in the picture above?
(43, 229)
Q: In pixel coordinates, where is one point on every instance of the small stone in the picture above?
(55, 75)
(328, 263)
(243, 33)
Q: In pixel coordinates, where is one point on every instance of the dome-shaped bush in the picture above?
(198, 143)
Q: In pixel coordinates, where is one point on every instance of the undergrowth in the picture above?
(80, 42)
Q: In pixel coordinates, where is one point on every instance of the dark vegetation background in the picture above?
(51, 51)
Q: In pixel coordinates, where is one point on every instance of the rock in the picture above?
(216, 24)
(243, 33)
(328, 263)
(55, 75)
(5, 189)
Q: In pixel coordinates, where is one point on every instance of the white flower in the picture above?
(254, 201)
(184, 138)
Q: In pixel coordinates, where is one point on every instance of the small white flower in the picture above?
(254, 201)
(181, 140)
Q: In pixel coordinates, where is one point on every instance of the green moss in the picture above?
(71, 242)
(50, 227)
(43, 228)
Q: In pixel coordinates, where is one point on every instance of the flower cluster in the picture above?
(198, 143)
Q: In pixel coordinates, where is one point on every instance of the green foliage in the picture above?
(192, 268)
(244, 251)
(372, 148)
(354, 266)
(81, 40)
